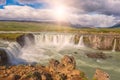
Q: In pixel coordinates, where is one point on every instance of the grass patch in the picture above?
(32, 26)
(36, 26)
(47, 27)
(10, 36)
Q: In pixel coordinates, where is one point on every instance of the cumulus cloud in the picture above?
(96, 20)
(2, 2)
(28, 13)
(95, 13)
(109, 7)
(24, 13)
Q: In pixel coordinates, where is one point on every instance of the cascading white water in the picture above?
(46, 46)
(81, 42)
(114, 45)
(54, 40)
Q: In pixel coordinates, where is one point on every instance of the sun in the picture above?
(60, 13)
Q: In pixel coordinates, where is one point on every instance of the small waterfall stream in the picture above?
(81, 42)
(114, 45)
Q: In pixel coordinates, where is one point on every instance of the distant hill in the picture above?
(116, 25)
(51, 22)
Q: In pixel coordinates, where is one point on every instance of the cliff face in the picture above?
(102, 42)
(22, 40)
(3, 57)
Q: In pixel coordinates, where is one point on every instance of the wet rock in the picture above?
(3, 57)
(97, 55)
(22, 39)
(101, 75)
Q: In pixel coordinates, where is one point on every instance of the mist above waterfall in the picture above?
(46, 47)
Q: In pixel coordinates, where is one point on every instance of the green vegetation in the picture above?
(50, 27)
(9, 36)
(36, 26)
(32, 26)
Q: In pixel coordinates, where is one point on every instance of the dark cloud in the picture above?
(108, 7)
(2, 2)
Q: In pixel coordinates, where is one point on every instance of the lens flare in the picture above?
(60, 13)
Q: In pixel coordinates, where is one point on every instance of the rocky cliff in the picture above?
(102, 42)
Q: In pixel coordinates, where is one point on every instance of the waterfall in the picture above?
(54, 40)
(114, 45)
(81, 42)
(46, 46)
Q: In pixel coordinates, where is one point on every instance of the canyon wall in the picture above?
(102, 42)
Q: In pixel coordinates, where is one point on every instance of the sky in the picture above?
(88, 13)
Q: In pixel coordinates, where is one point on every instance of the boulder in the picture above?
(22, 39)
(3, 57)
(97, 55)
(101, 75)
(65, 70)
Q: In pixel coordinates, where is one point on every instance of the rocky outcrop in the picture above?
(64, 70)
(102, 42)
(99, 55)
(3, 57)
(25, 38)
(101, 75)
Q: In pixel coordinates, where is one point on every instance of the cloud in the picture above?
(96, 13)
(29, 13)
(96, 20)
(24, 13)
(2, 2)
(108, 7)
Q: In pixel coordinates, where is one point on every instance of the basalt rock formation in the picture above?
(22, 40)
(64, 70)
(3, 57)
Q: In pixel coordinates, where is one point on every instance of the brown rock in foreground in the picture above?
(64, 70)
(101, 75)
